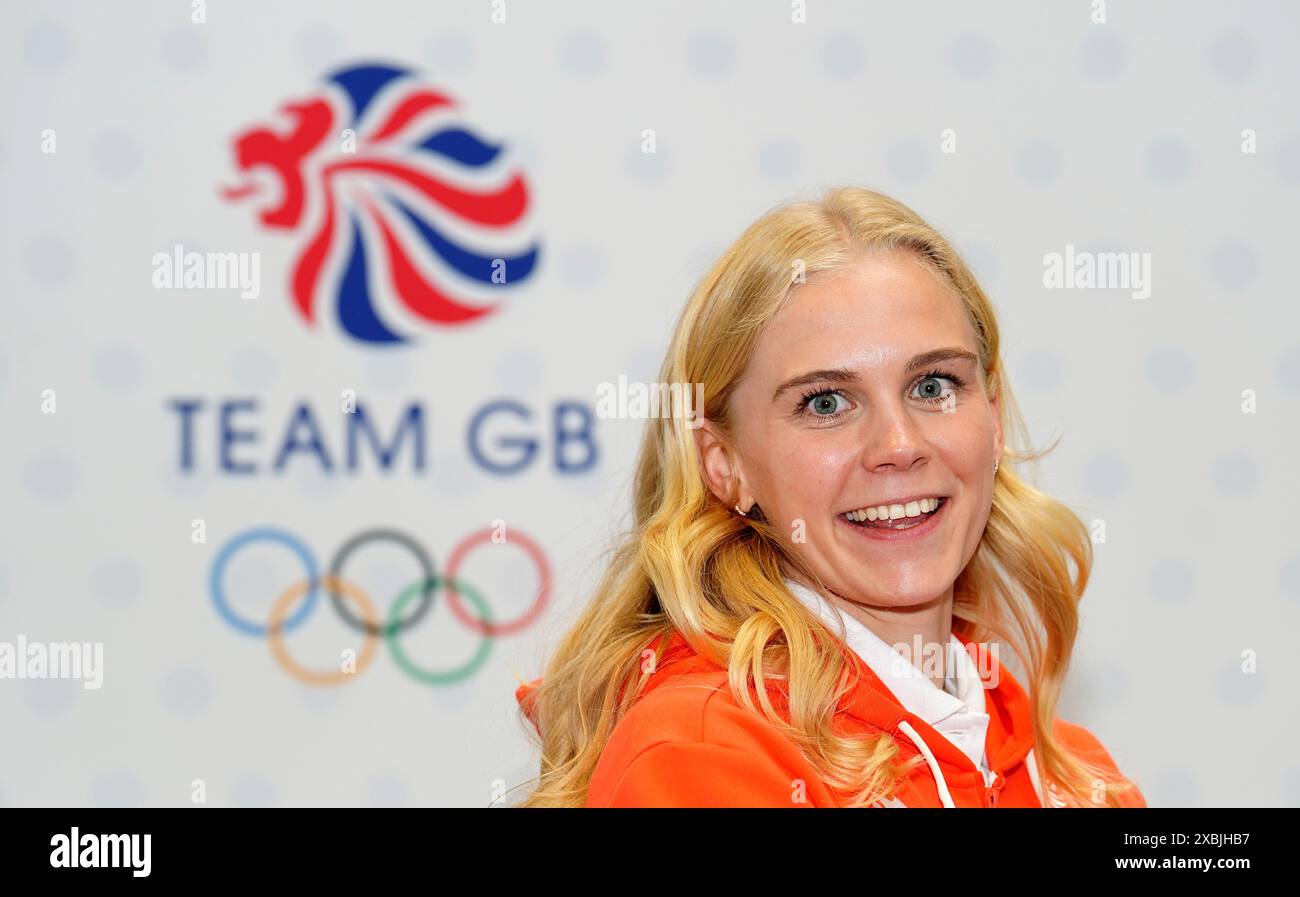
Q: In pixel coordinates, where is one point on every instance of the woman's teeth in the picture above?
(887, 513)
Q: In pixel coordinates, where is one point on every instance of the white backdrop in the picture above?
(1123, 136)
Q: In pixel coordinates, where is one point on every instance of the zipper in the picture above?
(991, 792)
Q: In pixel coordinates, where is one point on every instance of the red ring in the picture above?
(473, 540)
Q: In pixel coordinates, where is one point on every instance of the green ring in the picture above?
(408, 666)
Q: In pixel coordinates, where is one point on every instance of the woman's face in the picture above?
(865, 392)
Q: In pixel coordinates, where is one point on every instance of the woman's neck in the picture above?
(925, 627)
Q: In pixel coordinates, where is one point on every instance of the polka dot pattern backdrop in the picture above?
(1020, 129)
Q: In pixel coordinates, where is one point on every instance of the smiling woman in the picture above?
(766, 634)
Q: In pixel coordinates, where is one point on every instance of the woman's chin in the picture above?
(900, 592)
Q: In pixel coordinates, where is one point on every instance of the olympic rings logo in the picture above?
(409, 606)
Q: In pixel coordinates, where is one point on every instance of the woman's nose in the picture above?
(895, 438)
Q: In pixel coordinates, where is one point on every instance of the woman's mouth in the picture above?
(905, 520)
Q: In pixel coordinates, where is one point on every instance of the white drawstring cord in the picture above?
(939, 780)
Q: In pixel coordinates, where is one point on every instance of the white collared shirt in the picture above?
(957, 711)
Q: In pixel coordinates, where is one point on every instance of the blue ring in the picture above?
(263, 534)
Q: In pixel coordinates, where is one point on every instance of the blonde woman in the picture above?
(828, 569)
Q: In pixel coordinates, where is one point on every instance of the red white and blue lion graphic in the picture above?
(411, 218)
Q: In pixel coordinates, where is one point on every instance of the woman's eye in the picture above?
(826, 404)
(934, 389)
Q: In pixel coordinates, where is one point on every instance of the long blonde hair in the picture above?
(689, 563)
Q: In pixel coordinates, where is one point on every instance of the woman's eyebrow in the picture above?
(835, 375)
(934, 356)
(845, 375)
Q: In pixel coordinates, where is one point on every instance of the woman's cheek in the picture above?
(807, 479)
(965, 445)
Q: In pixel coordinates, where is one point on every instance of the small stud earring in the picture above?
(995, 466)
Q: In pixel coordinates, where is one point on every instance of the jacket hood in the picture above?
(523, 695)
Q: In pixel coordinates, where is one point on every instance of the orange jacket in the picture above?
(686, 742)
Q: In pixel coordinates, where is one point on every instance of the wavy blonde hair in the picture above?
(689, 563)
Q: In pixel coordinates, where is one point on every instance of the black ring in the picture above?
(382, 535)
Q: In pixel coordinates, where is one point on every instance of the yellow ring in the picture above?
(316, 677)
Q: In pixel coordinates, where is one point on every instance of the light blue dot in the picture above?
(582, 265)
(455, 479)
(116, 155)
(519, 371)
(450, 56)
(1103, 55)
(119, 368)
(1290, 578)
(191, 484)
(1039, 162)
(252, 791)
(316, 483)
(1288, 159)
(1231, 56)
(642, 364)
(1172, 580)
(252, 579)
(982, 259)
(648, 168)
(117, 581)
(252, 369)
(52, 476)
(190, 245)
(388, 372)
(1040, 370)
(584, 484)
(1105, 476)
(186, 691)
(184, 48)
(1239, 687)
(779, 160)
(385, 572)
(318, 46)
(51, 260)
(526, 152)
(322, 700)
(1105, 245)
(1291, 788)
(1170, 369)
(972, 56)
(460, 698)
(702, 258)
(51, 698)
(386, 791)
(1174, 788)
(1167, 161)
(711, 54)
(582, 54)
(117, 789)
(1232, 264)
(1234, 474)
(907, 161)
(48, 45)
(843, 56)
(1101, 683)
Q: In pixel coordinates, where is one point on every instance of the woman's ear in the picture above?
(996, 404)
(717, 465)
